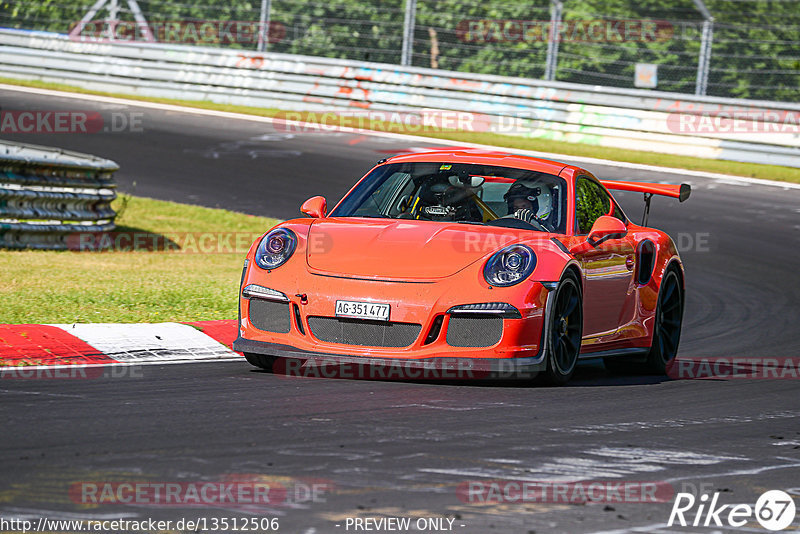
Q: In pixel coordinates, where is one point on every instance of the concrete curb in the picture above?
(41, 345)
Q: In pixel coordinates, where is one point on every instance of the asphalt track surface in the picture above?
(402, 449)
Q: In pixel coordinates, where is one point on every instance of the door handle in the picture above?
(629, 263)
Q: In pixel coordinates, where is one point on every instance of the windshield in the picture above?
(455, 192)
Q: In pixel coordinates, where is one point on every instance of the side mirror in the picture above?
(315, 207)
(603, 229)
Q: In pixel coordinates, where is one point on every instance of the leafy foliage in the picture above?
(590, 204)
(754, 48)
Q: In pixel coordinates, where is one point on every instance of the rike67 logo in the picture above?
(774, 510)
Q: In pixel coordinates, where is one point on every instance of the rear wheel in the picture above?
(667, 326)
(260, 360)
(565, 331)
(666, 332)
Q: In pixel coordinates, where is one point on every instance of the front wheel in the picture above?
(667, 325)
(565, 329)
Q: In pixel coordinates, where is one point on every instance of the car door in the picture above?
(608, 268)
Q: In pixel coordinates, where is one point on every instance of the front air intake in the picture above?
(364, 333)
(270, 316)
(474, 330)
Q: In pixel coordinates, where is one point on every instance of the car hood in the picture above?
(404, 249)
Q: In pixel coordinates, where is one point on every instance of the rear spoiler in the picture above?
(681, 192)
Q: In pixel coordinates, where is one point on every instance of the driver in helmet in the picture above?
(529, 202)
(522, 201)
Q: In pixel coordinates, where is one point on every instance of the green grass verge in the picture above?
(753, 170)
(142, 286)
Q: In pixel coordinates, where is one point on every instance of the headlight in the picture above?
(275, 248)
(510, 265)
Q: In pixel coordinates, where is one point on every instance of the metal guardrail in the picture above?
(48, 194)
(600, 116)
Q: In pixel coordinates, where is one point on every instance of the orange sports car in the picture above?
(478, 263)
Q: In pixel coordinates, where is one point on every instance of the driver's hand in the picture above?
(524, 215)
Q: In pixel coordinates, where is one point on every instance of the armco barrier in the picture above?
(47, 194)
(765, 132)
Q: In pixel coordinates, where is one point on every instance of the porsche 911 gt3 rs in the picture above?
(507, 263)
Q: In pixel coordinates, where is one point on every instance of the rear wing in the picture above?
(681, 192)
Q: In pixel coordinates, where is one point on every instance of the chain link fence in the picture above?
(750, 47)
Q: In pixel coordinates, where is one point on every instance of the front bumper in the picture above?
(308, 297)
(518, 354)
(308, 364)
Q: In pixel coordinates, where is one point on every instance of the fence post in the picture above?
(112, 20)
(556, 9)
(263, 21)
(704, 61)
(408, 32)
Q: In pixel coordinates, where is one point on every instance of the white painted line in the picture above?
(149, 342)
(412, 138)
(629, 426)
(737, 472)
(638, 454)
(613, 463)
(42, 393)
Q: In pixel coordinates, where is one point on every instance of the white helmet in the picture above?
(537, 193)
(545, 199)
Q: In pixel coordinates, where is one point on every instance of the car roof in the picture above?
(487, 157)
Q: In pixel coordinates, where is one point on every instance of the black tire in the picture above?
(667, 325)
(666, 335)
(260, 360)
(565, 329)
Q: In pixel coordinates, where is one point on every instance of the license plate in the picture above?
(362, 310)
